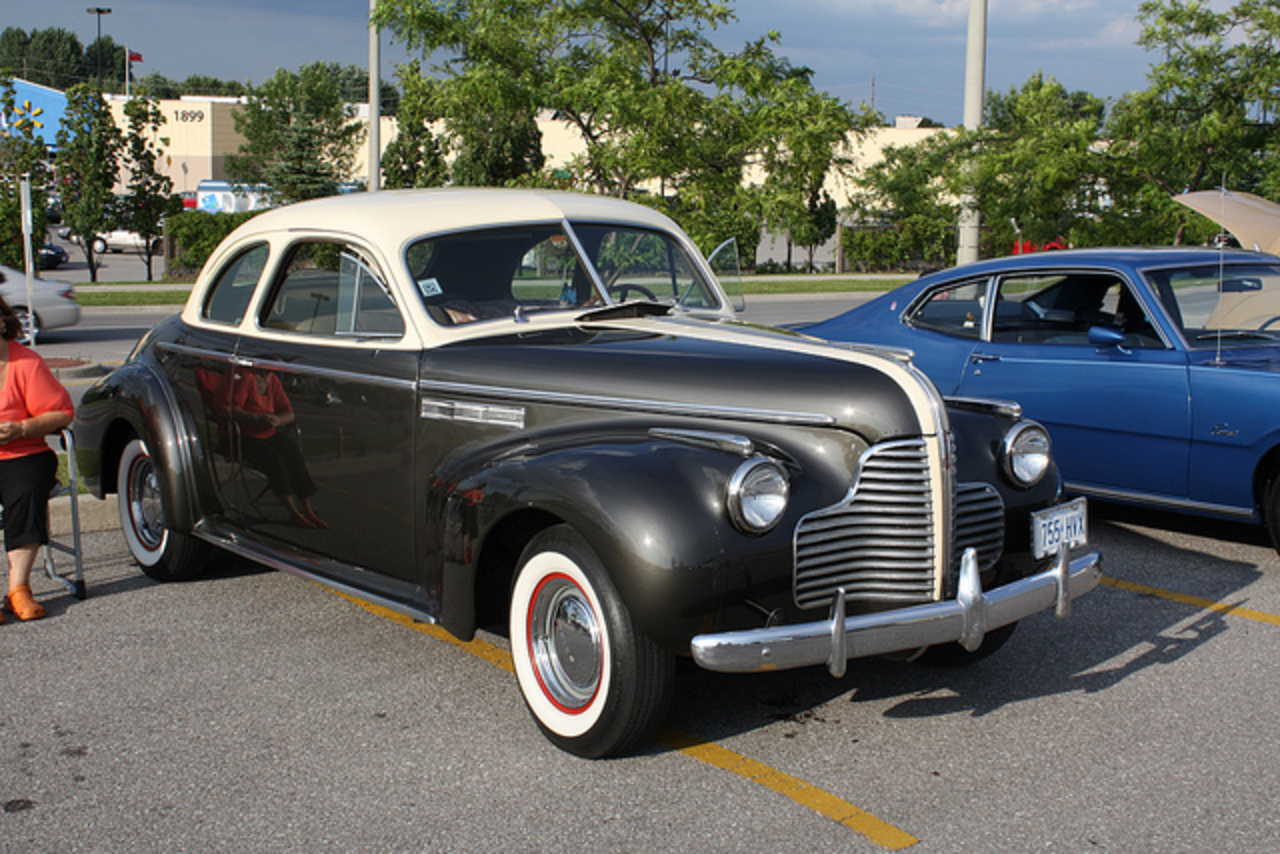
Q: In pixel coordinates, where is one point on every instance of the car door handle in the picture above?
(983, 357)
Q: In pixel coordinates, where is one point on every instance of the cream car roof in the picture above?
(392, 217)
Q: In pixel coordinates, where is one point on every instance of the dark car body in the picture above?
(491, 432)
(1155, 370)
(51, 256)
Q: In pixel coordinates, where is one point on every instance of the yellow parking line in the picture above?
(805, 794)
(1194, 601)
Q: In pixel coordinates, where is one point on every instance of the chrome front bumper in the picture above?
(964, 620)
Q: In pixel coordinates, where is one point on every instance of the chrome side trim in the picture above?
(964, 620)
(1007, 408)
(272, 561)
(629, 404)
(727, 442)
(1161, 502)
(474, 413)
(285, 367)
(219, 355)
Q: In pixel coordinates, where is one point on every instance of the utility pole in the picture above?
(375, 105)
(975, 70)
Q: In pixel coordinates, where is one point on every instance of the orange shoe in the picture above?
(20, 603)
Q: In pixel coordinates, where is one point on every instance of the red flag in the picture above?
(134, 56)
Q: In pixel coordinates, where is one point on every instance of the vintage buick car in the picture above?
(534, 411)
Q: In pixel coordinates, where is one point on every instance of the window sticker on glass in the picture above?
(430, 287)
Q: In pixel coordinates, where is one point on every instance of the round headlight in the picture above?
(758, 493)
(1027, 453)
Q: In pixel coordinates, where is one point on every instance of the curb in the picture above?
(77, 372)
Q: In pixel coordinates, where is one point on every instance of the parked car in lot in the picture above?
(1155, 370)
(122, 240)
(54, 302)
(118, 240)
(51, 256)
(532, 411)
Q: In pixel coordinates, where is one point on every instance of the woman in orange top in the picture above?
(33, 404)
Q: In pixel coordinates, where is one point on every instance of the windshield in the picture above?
(1215, 304)
(504, 272)
(636, 264)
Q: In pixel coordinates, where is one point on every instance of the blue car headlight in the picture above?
(758, 495)
(1026, 454)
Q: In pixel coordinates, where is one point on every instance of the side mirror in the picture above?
(1105, 337)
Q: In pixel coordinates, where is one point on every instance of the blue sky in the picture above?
(913, 50)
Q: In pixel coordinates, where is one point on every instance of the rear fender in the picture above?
(135, 401)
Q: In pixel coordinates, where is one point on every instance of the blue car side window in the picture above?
(1061, 308)
(955, 310)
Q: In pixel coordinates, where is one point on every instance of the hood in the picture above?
(689, 366)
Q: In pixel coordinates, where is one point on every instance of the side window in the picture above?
(332, 289)
(953, 310)
(471, 276)
(231, 292)
(1060, 309)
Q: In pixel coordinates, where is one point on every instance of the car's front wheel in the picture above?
(595, 684)
(163, 554)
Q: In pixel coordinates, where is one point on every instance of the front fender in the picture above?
(135, 401)
(654, 512)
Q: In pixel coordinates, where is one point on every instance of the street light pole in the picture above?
(99, 11)
(970, 231)
(375, 105)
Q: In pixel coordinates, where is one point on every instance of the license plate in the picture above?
(1064, 526)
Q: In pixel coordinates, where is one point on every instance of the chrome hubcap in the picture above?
(144, 495)
(564, 640)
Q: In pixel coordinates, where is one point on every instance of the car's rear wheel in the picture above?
(1271, 510)
(594, 683)
(163, 554)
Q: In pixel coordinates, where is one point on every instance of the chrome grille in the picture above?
(879, 543)
(979, 523)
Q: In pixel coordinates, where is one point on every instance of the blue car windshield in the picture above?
(1234, 305)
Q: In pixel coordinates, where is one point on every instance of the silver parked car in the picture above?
(54, 302)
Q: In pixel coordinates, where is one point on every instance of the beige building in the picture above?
(200, 133)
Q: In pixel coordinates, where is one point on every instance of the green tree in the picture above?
(199, 84)
(414, 157)
(805, 144)
(14, 42)
(495, 54)
(1038, 165)
(55, 57)
(1206, 119)
(156, 85)
(106, 58)
(147, 199)
(300, 137)
(904, 207)
(89, 147)
(21, 153)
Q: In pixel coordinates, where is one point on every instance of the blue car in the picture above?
(1155, 370)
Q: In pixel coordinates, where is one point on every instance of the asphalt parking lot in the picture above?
(257, 711)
